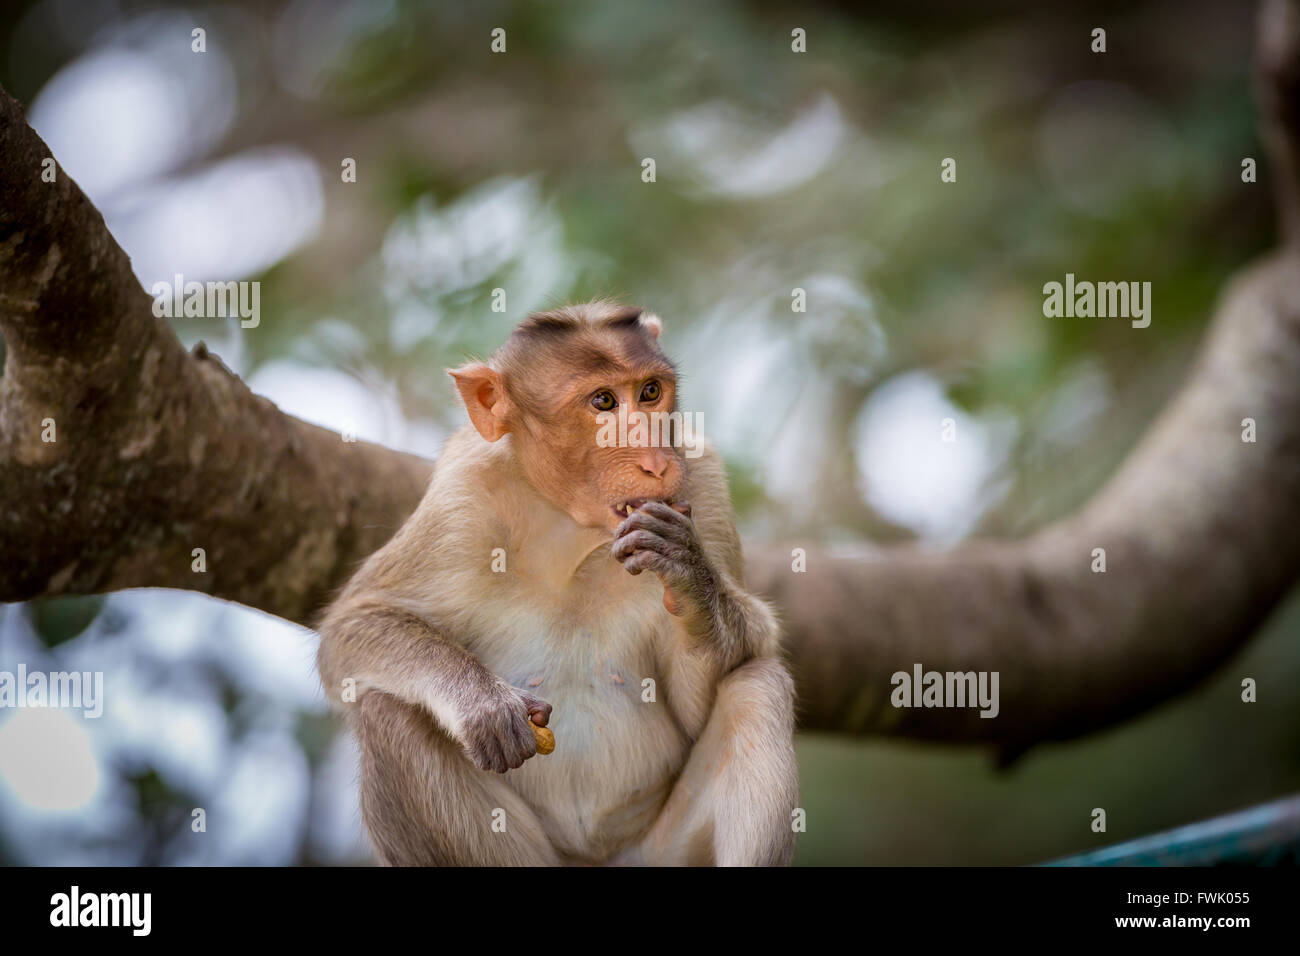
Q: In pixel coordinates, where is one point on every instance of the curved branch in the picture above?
(160, 451)
(1199, 539)
(156, 451)
(1198, 527)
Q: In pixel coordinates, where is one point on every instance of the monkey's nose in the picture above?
(653, 462)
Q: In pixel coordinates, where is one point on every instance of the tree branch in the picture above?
(1198, 529)
(159, 452)
(1197, 552)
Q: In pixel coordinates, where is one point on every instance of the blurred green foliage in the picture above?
(1120, 166)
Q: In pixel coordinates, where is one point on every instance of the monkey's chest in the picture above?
(618, 748)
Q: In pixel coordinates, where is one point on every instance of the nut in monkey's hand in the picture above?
(545, 739)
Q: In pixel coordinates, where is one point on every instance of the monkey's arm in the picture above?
(718, 614)
(389, 650)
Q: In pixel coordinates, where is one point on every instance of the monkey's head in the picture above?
(558, 387)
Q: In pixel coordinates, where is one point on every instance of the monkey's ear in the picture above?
(652, 323)
(484, 396)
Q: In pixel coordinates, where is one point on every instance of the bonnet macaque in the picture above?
(517, 596)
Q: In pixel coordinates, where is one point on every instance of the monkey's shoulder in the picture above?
(471, 494)
(436, 550)
(471, 469)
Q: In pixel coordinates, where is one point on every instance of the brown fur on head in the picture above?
(546, 387)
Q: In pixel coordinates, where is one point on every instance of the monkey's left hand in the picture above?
(660, 538)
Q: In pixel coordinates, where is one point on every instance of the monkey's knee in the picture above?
(425, 804)
(761, 689)
(397, 804)
(755, 711)
(742, 783)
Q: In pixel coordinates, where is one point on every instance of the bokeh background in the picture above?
(775, 171)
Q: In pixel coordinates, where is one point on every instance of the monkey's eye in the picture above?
(651, 392)
(603, 401)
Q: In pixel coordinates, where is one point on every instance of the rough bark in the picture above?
(157, 451)
(1198, 529)
(160, 451)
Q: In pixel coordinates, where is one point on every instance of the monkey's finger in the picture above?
(539, 711)
(640, 540)
(500, 760)
(487, 757)
(646, 561)
(520, 749)
(512, 740)
(645, 521)
(518, 741)
(677, 521)
(666, 510)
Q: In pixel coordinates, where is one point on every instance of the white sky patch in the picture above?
(326, 397)
(913, 478)
(168, 625)
(411, 322)
(178, 728)
(801, 442)
(136, 106)
(498, 224)
(261, 809)
(742, 394)
(230, 219)
(735, 155)
(179, 731)
(128, 113)
(160, 714)
(270, 655)
(100, 116)
(336, 833)
(767, 394)
(329, 398)
(47, 760)
(770, 387)
(337, 401)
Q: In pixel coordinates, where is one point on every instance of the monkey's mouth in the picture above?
(625, 508)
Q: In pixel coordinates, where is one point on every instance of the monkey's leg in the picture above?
(733, 804)
(425, 804)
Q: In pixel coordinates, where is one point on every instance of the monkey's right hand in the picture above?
(495, 727)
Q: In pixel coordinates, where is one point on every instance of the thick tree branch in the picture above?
(1199, 536)
(159, 452)
(1199, 531)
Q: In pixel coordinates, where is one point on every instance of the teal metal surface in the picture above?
(1266, 835)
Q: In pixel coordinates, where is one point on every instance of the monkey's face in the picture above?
(590, 403)
(607, 446)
